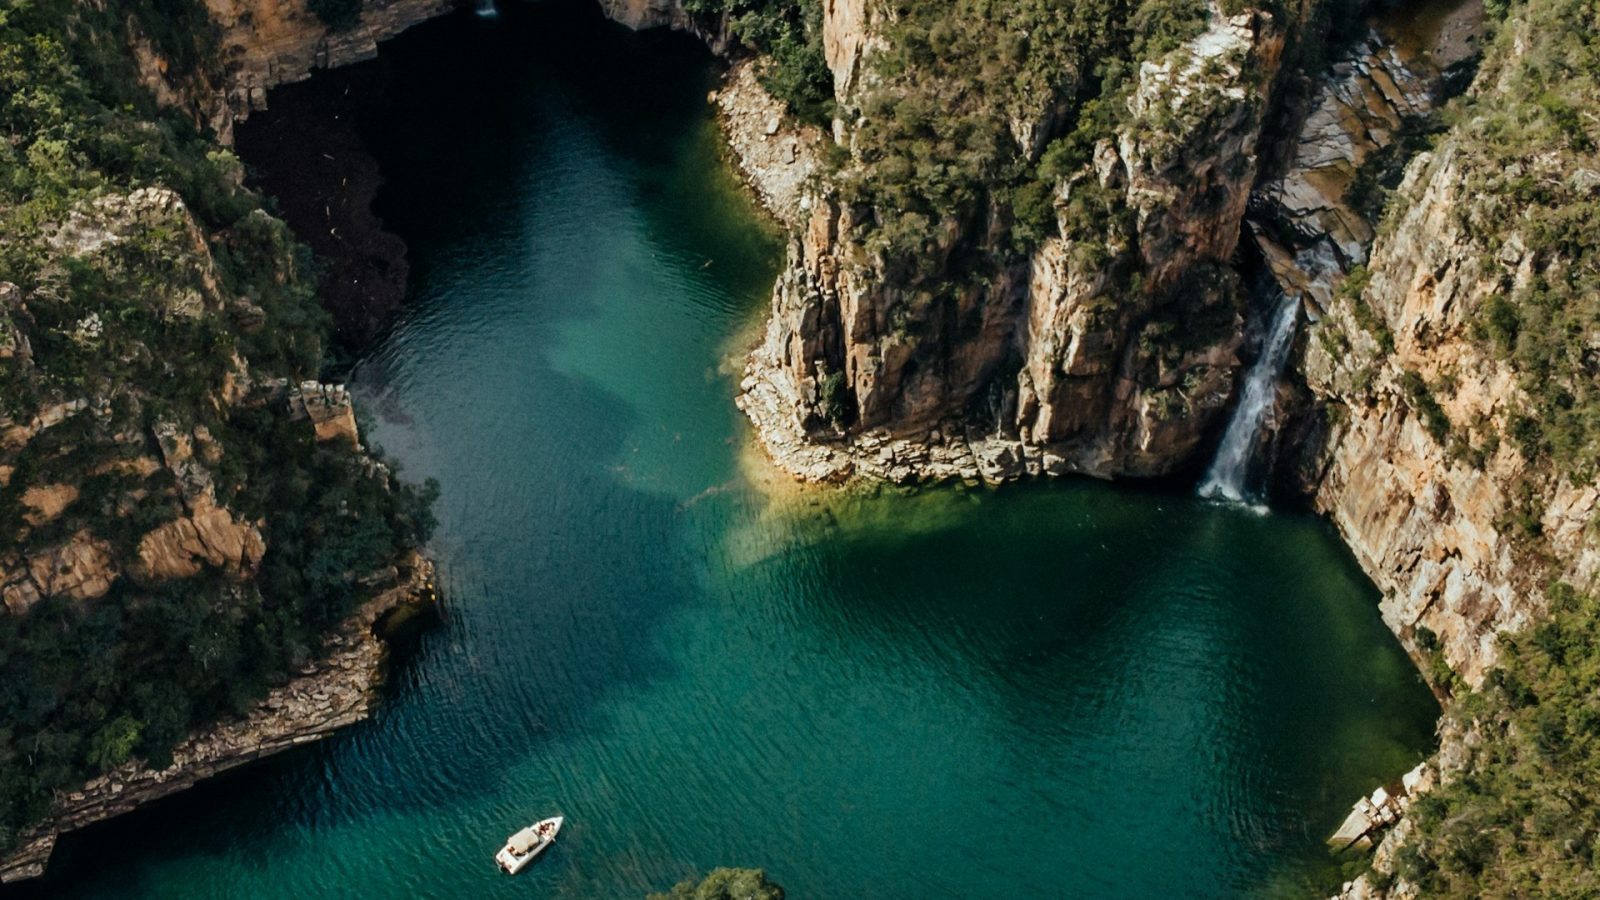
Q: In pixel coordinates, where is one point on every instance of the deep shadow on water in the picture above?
(1060, 689)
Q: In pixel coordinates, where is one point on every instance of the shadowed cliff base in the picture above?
(306, 152)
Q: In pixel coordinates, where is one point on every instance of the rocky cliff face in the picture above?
(1408, 460)
(185, 515)
(1314, 220)
(103, 511)
(265, 43)
(1429, 525)
(168, 461)
(1460, 530)
(847, 33)
(1426, 524)
(1109, 349)
(336, 691)
(1411, 446)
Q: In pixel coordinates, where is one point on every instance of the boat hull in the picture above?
(526, 846)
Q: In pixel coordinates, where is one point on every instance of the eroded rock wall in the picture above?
(335, 692)
(1430, 523)
(1406, 454)
(265, 43)
(1057, 362)
(165, 461)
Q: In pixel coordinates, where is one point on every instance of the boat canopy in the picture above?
(524, 840)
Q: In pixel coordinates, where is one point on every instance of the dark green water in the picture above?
(1052, 690)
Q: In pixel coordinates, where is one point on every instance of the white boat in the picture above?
(526, 845)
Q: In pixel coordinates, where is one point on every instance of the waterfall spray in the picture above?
(1227, 477)
(487, 10)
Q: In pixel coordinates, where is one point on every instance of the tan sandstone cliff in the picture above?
(1056, 363)
(1411, 458)
(1435, 528)
(1425, 503)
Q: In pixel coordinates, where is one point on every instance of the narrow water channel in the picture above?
(1063, 689)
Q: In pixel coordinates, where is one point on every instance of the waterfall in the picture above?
(1226, 479)
(487, 10)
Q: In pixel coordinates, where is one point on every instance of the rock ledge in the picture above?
(337, 691)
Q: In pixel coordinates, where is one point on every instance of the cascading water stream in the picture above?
(487, 9)
(1227, 477)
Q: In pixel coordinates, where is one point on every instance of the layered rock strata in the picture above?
(1315, 220)
(1460, 531)
(333, 693)
(1055, 364)
(1422, 501)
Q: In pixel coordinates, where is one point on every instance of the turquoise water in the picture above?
(1065, 689)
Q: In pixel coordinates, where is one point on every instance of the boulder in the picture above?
(80, 569)
(210, 536)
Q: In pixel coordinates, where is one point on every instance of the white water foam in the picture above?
(1227, 479)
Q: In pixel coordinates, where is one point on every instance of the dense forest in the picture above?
(152, 312)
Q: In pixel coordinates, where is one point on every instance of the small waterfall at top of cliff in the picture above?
(487, 9)
(1229, 472)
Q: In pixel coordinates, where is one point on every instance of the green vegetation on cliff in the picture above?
(788, 33)
(964, 84)
(172, 542)
(1522, 819)
(726, 884)
(1521, 815)
(1532, 139)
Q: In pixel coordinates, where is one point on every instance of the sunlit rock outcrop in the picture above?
(1055, 364)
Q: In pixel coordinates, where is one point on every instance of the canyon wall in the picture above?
(158, 330)
(1415, 424)
(265, 43)
(1407, 446)
(334, 692)
(1429, 512)
(1109, 348)
(1410, 416)
(134, 494)
(260, 44)
(1423, 516)
(1416, 456)
(1064, 361)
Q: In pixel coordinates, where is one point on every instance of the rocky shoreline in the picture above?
(778, 157)
(781, 160)
(332, 693)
